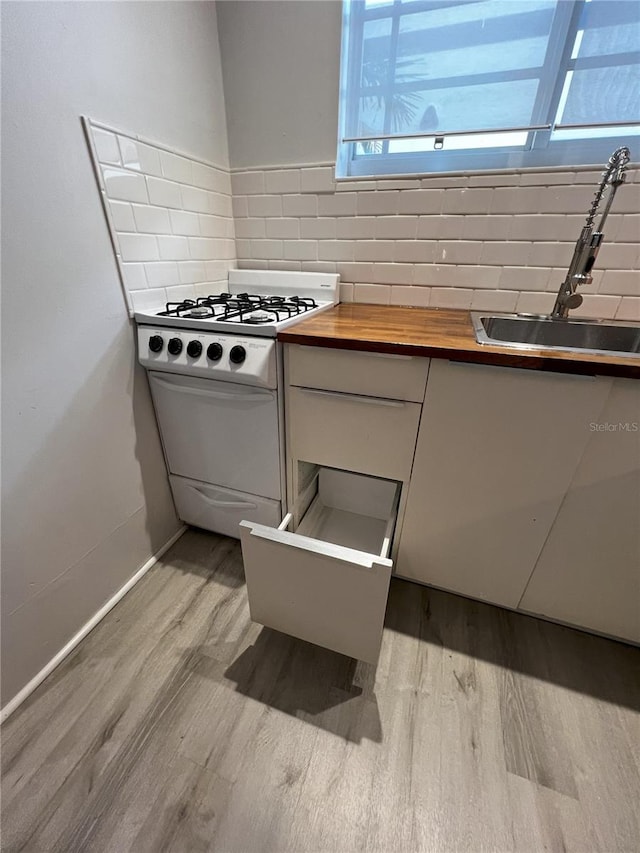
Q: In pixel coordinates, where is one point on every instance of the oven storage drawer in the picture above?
(219, 432)
(219, 509)
(364, 434)
(327, 582)
(396, 377)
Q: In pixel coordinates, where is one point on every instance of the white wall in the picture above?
(281, 67)
(85, 495)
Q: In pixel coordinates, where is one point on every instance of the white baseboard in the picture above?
(57, 659)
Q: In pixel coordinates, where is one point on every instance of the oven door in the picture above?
(219, 432)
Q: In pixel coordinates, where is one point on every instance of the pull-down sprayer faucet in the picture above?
(589, 241)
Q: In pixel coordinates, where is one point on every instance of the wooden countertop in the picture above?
(437, 333)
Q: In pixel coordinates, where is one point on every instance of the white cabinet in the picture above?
(588, 573)
(351, 426)
(326, 581)
(496, 452)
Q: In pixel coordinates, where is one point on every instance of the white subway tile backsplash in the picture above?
(171, 217)
(597, 307)
(319, 229)
(138, 247)
(377, 294)
(415, 251)
(213, 226)
(396, 227)
(392, 273)
(486, 227)
(533, 227)
(621, 283)
(335, 250)
(176, 168)
(534, 303)
(299, 205)
(218, 270)
(317, 180)
(494, 300)
(203, 248)
(140, 157)
(124, 186)
(524, 278)
(282, 181)
(184, 224)
(151, 220)
(629, 309)
(567, 199)
(466, 201)
(516, 200)
(354, 272)
(413, 296)
(619, 256)
(195, 199)
(374, 250)
(318, 266)
(505, 253)
(378, 203)
(339, 204)
(174, 248)
(247, 183)
(265, 205)
(458, 252)
(346, 292)
(450, 297)
(419, 202)
(122, 216)
(106, 147)
(180, 292)
(300, 250)
(164, 193)
(283, 228)
(162, 274)
(355, 227)
(250, 228)
(190, 272)
(148, 300)
(133, 276)
(220, 204)
(240, 206)
(269, 249)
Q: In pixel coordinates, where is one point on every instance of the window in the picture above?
(464, 85)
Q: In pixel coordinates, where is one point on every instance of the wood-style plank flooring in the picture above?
(178, 725)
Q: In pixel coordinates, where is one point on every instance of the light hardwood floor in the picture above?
(178, 725)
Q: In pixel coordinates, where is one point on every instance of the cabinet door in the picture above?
(497, 449)
(589, 571)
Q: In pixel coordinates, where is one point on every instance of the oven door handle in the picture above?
(213, 395)
(223, 504)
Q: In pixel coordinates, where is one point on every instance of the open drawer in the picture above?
(327, 581)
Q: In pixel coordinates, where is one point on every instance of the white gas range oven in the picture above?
(215, 373)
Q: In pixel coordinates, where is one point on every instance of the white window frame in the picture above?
(542, 147)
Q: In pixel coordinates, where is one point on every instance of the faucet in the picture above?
(589, 241)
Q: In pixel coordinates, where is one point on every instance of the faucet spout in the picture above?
(589, 241)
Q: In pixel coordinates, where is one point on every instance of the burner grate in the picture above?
(240, 308)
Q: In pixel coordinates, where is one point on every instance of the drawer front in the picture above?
(218, 509)
(325, 594)
(395, 377)
(363, 434)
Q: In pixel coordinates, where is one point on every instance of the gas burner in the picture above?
(260, 317)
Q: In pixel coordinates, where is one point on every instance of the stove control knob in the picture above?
(175, 346)
(194, 349)
(156, 343)
(237, 354)
(214, 352)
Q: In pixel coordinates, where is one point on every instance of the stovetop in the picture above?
(278, 300)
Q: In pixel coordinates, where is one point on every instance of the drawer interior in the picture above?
(352, 510)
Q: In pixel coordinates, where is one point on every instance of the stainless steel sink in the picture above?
(525, 331)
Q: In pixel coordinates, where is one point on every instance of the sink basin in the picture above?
(522, 331)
